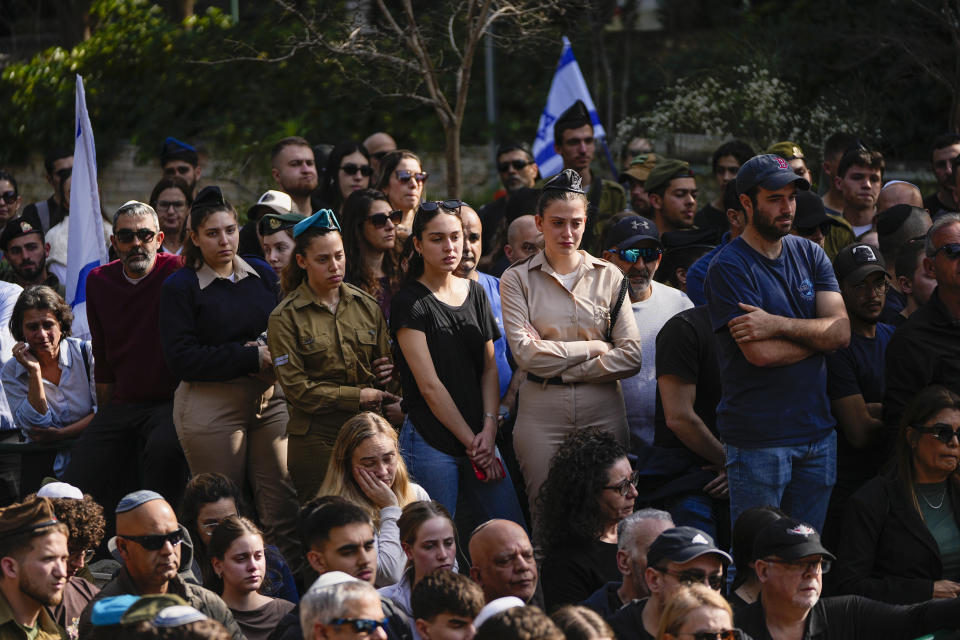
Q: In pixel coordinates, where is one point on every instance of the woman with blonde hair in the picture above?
(698, 612)
(367, 469)
(581, 623)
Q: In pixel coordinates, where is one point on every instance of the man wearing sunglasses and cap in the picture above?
(149, 541)
(776, 308)
(790, 565)
(925, 350)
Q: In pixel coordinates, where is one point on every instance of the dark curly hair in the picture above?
(41, 298)
(568, 503)
(84, 519)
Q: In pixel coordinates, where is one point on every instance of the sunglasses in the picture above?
(379, 220)
(9, 196)
(434, 205)
(649, 254)
(942, 432)
(63, 174)
(804, 566)
(951, 250)
(351, 169)
(517, 165)
(695, 576)
(824, 228)
(362, 625)
(156, 542)
(623, 487)
(126, 235)
(726, 634)
(405, 176)
(181, 169)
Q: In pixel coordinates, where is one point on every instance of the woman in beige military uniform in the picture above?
(556, 315)
(330, 348)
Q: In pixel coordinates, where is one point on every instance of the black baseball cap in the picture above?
(856, 262)
(632, 229)
(768, 171)
(683, 544)
(789, 539)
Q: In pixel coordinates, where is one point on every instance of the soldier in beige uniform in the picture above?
(331, 351)
(557, 307)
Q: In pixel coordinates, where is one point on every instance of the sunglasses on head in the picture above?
(8, 196)
(362, 625)
(951, 250)
(824, 228)
(726, 634)
(156, 542)
(942, 432)
(517, 165)
(127, 235)
(405, 176)
(433, 205)
(379, 220)
(696, 576)
(351, 169)
(649, 254)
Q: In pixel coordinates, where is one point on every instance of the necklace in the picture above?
(943, 496)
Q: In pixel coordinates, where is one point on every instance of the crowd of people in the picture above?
(359, 412)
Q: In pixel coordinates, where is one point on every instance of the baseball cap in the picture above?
(630, 230)
(683, 544)
(810, 211)
(665, 170)
(856, 262)
(640, 167)
(789, 539)
(768, 171)
(271, 202)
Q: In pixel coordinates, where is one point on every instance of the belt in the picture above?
(557, 380)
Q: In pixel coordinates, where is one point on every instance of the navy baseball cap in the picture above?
(632, 229)
(683, 544)
(768, 171)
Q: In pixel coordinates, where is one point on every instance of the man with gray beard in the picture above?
(132, 433)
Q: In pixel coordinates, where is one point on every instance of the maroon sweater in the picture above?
(124, 324)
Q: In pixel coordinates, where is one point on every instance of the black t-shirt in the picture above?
(572, 573)
(936, 208)
(627, 623)
(710, 216)
(456, 337)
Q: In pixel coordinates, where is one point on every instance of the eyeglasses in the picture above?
(696, 576)
(351, 169)
(726, 634)
(379, 220)
(182, 169)
(63, 174)
(649, 254)
(824, 228)
(517, 165)
(804, 566)
(362, 625)
(942, 432)
(405, 176)
(951, 250)
(163, 205)
(9, 196)
(449, 205)
(623, 487)
(156, 542)
(126, 235)
(84, 555)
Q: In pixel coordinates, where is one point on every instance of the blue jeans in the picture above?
(701, 511)
(445, 477)
(798, 479)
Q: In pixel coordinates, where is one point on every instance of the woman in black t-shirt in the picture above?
(444, 332)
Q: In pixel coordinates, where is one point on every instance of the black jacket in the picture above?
(886, 551)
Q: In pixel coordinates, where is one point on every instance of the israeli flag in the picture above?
(567, 87)
(85, 248)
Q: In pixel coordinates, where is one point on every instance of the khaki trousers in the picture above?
(238, 428)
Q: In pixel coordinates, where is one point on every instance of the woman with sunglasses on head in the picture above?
(331, 350)
(348, 170)
(370, 240)
(444, 332)
(697, 612)
(570, 329)
(901, 530)
(10, 200)
(589, 489)
(171, 199)
(213, 312)
(402, 178)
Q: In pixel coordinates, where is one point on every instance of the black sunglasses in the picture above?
(126, 235)
(942, 432)
(156, 542)
(449, 205)
(379, 220)
(9, 196)
(362, 625)
(63, 174)
(695, 576)
(951, 250)
(517, 165)
(181, 169)
(351, 169)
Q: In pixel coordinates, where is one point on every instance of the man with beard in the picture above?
(517, 170)
(26, 252)
(149, 540)
(776, 307)
(180, 160)
(946, 149)
(634, 178)
(295, 171)
(634, 246)
(132, 433)
(33, 570)
(46, 214)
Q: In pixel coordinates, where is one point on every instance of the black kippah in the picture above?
(567, 180)
(893, 218)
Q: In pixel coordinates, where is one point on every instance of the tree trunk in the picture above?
(454, 177)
